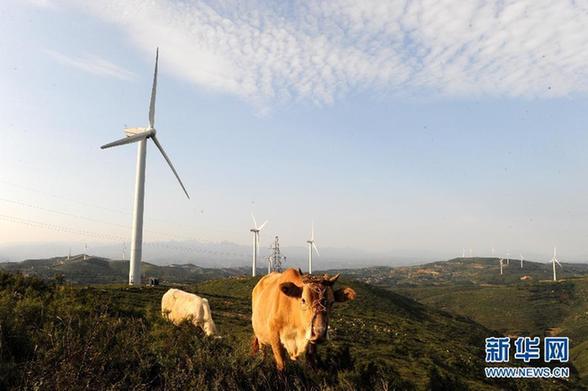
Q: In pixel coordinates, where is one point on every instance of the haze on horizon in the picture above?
(406, 129)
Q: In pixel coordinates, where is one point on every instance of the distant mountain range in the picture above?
(206, 254)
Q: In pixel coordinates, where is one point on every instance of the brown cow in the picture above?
(291, 311)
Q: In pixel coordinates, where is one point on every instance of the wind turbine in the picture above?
(501, 260)
(140, 136)
(256, 229)
(508, 257)
(311, 246)
(522, 259)
(554, 260)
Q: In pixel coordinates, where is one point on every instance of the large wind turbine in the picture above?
(554, 260)
(140, 136)
(311, 246)
(501, 264)
(256, 229)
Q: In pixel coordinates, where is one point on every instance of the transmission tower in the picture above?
(276, 259)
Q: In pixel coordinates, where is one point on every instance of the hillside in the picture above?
(96, 270)
(539, 308)
(113, 337)
(463, 271)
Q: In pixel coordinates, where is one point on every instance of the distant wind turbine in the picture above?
(311, 246)
(140, 136)
(256, 229)
(508, 257)
(522, 259)
(554, 260)
(463, 252)
(501, 261)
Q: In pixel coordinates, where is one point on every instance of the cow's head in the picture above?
(316, 297)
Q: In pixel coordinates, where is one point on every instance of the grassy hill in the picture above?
(463, 271)
(538, 308)
(63, 337)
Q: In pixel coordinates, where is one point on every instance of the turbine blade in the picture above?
(556, 261)
(262, 225)
(316, 249)
(170, 164)
(127, 140)
(153, 93)
(254, 221)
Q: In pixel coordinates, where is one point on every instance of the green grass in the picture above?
(113, 337)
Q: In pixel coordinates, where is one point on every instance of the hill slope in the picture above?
(113, 337)
(463, 271)
(539, 308)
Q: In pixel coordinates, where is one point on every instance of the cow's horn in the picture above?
(300, 271)
(333, 279)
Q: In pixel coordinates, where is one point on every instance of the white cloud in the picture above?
(92, 64)
(320, 51)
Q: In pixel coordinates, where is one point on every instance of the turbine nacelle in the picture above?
(135, 131)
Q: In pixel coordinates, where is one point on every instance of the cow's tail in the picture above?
(254, 345)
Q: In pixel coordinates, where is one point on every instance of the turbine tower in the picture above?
(140, 136)
(522, 260)
(311, 246)
(554, 260)
(256, 229)
(501, 260)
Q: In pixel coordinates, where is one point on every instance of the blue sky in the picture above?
(409, 130)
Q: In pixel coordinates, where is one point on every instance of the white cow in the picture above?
(177, 306)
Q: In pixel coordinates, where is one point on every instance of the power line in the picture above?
(112, 210)
(60, 212)
(97, 235)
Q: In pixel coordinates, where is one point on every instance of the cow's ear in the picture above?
(344, 294)
(291, 289)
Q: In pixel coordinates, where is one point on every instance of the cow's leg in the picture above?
(311, 355)
(278, 352)
(254, 345)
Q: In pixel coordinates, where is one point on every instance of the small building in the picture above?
(153, 281)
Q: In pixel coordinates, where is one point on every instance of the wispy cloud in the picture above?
(92, 64)
(320, 51)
